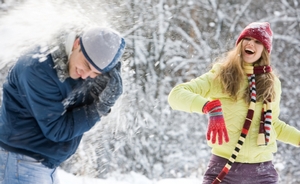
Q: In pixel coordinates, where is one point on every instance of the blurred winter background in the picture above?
(168, 42)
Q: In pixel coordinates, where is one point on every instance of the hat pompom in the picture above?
(260, 31)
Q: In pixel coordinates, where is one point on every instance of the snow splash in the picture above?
(33, 22)
(30, 22)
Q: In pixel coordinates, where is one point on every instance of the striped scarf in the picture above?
(265, 122)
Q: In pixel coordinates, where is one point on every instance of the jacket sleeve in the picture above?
(43, 97)
(285, 133)
(192, 96)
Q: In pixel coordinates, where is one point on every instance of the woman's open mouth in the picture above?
(249, 51)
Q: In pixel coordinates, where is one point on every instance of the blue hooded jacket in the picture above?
(34, 119)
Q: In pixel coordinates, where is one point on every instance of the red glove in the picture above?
(216, 124)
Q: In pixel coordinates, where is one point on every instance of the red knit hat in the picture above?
(260, 31)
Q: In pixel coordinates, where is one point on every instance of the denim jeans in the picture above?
(20, 169)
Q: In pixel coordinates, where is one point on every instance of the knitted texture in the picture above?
(260, 31)
(216, 125)
(112, 91)
(265, 125)
(102, 47)
(267, 120)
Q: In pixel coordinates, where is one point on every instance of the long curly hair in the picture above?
(232, 76)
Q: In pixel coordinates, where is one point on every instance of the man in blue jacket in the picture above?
(51, 97)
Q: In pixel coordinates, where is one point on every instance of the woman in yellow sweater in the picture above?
(241, 95)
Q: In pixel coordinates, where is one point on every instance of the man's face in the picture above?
(79, 67)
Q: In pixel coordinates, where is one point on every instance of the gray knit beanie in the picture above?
(102, 47)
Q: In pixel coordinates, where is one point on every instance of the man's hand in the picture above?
(216, 124)
(98, 85)
(112, 91)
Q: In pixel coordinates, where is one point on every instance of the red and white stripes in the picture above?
(265, 122)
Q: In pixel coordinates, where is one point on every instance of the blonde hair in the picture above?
(232, 76)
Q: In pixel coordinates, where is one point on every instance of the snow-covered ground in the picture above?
(131, 178)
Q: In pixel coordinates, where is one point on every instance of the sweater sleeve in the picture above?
(285, 133)
(192, 96)
(43, 97)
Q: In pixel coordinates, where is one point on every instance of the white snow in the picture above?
(22, 26)
(36, 21)
(131, 178)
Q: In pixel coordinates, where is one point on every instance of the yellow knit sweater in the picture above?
(191, 97)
